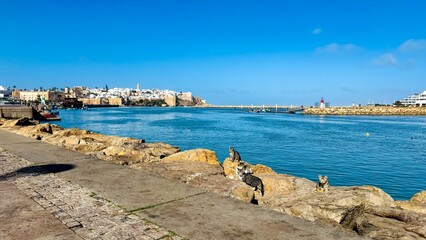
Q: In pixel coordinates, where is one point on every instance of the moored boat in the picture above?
(48, 116)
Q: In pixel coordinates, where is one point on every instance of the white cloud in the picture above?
(336, 48)
(387, 59)
(413, 45)
(316, 31)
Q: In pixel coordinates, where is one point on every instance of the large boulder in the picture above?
(35, 131)
(46, 128)
(332, 206)
(25, 122)
(413, 207)
(419, 198)
(84, 147)
(417, 203)
(71, 132)
(72, 140)
(277, 184)
(229, 167)
(381, 222)
(19, 122)
(197, 155)
(243, 192)
(259, 168)
(150, 152)
(56, 127)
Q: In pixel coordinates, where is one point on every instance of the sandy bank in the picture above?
(367, 210)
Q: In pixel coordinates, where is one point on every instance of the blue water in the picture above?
(392, 157)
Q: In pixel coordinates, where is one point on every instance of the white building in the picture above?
(422, 99)
(135, 94)
(36, 95)
(131, 93)
(4, 92)
(415, 100)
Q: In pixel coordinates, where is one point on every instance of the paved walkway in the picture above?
(70, 195)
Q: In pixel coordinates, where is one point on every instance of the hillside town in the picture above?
(134, 97)
(80, 96)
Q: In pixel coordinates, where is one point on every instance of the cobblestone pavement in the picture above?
(89, 215)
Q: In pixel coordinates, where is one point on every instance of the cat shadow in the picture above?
(37, 170)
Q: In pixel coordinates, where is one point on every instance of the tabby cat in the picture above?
(235, 156)
(242, 168)
(323, 184)
(254, 182)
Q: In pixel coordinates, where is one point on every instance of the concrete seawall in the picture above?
(16, 112)
(412, 111)
(95, 199)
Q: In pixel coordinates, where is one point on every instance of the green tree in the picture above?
(398, 103)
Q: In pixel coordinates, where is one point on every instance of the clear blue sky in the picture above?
(227, 51)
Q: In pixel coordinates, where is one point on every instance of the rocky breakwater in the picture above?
(126, 151)
(367, 210)
(411, 111)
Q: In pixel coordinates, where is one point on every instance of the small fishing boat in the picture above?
(50, 116)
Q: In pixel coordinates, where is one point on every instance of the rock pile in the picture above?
(366, 111)
(126, 151)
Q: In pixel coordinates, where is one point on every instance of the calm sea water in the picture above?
(392, 156)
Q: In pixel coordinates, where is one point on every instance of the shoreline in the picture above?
(338, 110)
(200, 167)
(365, 111)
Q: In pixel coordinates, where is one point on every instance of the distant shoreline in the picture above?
(352, 111)
(247, 106)
(378, 111)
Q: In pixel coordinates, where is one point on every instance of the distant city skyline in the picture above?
(227, 52)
